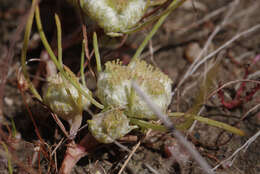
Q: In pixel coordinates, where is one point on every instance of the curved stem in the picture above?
(209, 122)
(24, 51)
(58, 24)
(220, 125)
(44, 40)
(57, 64)
(82, 63)
(154, 18)
(10, 168)
(97, 55)
(163, 16)
(146, 124)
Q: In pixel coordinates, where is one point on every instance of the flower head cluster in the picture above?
(114, 16)
(63, 98)
(109, 125)
(114, 87)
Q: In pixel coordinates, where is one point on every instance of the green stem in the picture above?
(9, 158)
(147, 125)
(156, 3)
(76, 85)
(188, 122)
(130, 98)
(57, 64)
(220, 125)
(58, 24)
(162, 18)
(45, 42)
(148, 3)
(154, 18)
(14, 131)
(24, 51)
(208, 121)
(97, 55)
(82, 63)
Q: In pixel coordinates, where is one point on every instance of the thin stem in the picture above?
(82, 63)
(14, 131)
(162, 18)
(209, 122)
(76, 85)
(97, 55)
(10, 168)
(24, 51)
(58, 65)
(45, 42)
(148, 2)
(58, 24)
(220, 125)
(131, 98)
(147, 125)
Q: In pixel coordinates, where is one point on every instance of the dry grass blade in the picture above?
(230, 83)
(250, 110)
(129, 157)
(132, 153)
(229, 161)
(15, 159)
(198, 62)
(7, 59)
(167, 122)
(244, 33)
(151, 169)
(204, 19)
(209, 41)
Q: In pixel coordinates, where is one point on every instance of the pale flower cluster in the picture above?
(110, 125)
(63, 98)
(114, 87)
(114, 16)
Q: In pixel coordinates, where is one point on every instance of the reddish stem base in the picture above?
(75, 152)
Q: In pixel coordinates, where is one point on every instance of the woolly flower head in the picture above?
(114, 87)
(109, 126)
(114, 16)
(63, 98)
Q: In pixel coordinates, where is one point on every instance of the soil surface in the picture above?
(226, 32)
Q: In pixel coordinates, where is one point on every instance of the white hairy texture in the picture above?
(109, 19)
(133, 13)
(62, 103)
(118, 95)
(97, 130)
(140, 108)
(116, 127)
(115, 95)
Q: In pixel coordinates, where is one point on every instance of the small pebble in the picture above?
(192, 51)
(8, 101)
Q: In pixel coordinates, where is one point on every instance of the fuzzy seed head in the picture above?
(63, 98)
(114, 16)
(109, 126)
(114, 87)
